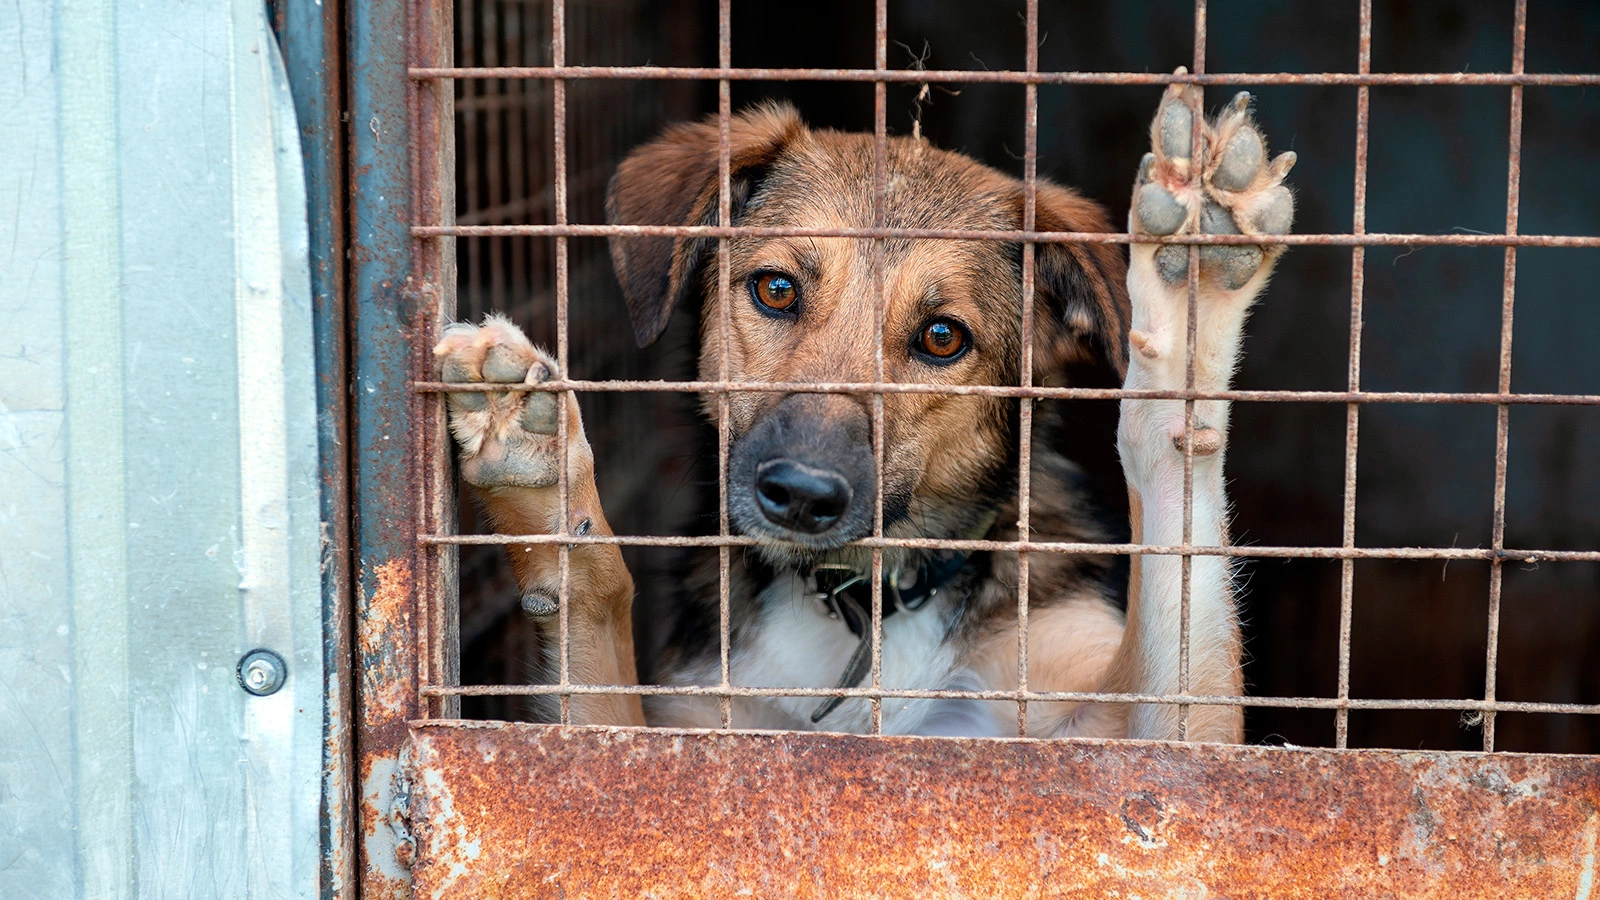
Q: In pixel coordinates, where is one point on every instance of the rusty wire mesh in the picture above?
(557, 192)
(505, 173)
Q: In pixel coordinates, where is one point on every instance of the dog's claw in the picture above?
(539, 411)
(1144, 169)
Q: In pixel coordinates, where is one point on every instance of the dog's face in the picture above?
(802, 467)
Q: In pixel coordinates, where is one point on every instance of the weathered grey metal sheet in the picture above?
(525, 811)
(36, 772)
(158, 485)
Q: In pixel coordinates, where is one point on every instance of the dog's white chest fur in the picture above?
(796, 643)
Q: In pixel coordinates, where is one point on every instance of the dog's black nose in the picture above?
(796, 496)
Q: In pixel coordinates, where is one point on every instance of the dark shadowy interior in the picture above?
(1437, 164)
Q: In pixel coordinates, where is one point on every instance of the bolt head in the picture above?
(262, 672)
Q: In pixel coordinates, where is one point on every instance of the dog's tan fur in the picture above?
(826, 179)
(940, 452)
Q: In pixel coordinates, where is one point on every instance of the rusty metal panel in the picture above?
(399, 288)
(506, 810)
(383, 462)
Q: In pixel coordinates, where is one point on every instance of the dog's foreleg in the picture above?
(509, 450)
(1234, 191)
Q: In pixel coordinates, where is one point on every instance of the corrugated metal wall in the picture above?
(158, 457)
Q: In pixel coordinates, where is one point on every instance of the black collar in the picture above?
(848, 596)
(848, 593)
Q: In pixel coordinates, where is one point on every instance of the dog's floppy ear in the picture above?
(1081, 309)
(673, 181)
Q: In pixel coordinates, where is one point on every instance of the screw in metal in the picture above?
(262, 672)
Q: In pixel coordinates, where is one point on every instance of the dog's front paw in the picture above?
(1237, 191)
(1210, 177)
(506, 438)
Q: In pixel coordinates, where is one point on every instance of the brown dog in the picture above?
(802, 473)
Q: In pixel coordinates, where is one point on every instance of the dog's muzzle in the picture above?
(805, 473)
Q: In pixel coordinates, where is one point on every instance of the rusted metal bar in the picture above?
(473, 183)
(1508, 290)
(724, 335)
(1191, 336)
(1037, 393)
(738, 540)
(880, 163)
(1334, 703)
(1038, 237)
(597, 812)
(1352, 411)
(389, 450)
(494, 149)
(973, 76)
(517, 152)
(558, 56)
(433, 291)
(1030, 199)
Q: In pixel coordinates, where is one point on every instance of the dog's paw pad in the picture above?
(1237, 191)
(506, 438)
(1240, 161)
(1207, 440)
(1275, 212)
(539, 604)
(1158, 210)
(1173, 134)
(1175, 122)
(1234, 265)
(1172, 262)
(506, 363)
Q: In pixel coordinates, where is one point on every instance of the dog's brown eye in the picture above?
(942, 339)
(774, 291)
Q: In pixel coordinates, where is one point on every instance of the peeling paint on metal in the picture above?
(388, 698)
(378, 838)
(386, 621)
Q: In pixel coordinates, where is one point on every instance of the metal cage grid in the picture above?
(433, 232)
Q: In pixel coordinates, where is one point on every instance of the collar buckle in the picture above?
(825, 582)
